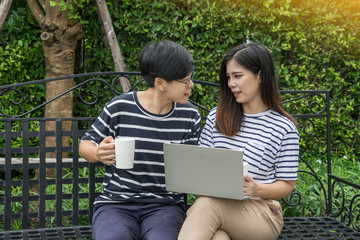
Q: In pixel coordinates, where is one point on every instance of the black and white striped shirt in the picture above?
(268, 140)
(145, 183)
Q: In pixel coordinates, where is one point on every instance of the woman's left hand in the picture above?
(276, 190)
(251, 187)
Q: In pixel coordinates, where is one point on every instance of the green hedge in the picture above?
(315, 45)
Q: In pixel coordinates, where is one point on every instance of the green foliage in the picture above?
(312, 202)
(315, 45)
(21, 58)
(71, 8)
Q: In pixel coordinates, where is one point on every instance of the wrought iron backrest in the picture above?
(22, 152)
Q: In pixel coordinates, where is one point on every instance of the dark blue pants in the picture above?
(134, 221)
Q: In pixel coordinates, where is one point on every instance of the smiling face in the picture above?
(245, 87)
(177, 90)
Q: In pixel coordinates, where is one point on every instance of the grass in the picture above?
(50, 205)
(312, 195)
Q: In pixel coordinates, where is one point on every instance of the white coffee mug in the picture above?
(245, 168)
(124, 152)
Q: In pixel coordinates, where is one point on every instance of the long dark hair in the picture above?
(253, 57)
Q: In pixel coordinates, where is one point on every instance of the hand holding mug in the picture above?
(106, 151)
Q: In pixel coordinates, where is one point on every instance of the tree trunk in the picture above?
(59, 39)
(113, 43)
(4, 10)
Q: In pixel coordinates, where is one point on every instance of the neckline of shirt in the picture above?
(258, 114)
(150, 113)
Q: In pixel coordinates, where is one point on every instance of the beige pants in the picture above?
(224, 219)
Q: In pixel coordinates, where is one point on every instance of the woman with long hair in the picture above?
(249, 118)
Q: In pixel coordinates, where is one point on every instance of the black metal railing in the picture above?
(22, 134)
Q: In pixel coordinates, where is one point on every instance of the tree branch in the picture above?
(36, 11)
(4, 10)
(113, 43)
(74, 32)
(48, 38)
(42, 3)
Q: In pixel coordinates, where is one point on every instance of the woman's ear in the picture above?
(259, 75)
(160, 83)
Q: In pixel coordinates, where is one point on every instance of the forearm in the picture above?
(277, 190)
(89, 151)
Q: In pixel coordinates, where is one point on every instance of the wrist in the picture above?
(260, 190)
(97, 155)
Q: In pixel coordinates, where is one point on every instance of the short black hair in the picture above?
(165, 59)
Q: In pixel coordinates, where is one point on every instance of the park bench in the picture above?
(35, 204)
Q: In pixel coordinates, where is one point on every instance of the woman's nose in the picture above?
(231, 82)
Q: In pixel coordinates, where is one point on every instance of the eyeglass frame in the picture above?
(187, 82)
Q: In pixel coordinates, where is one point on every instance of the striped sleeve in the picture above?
(103, 125)
(206, 137)
(288, 155)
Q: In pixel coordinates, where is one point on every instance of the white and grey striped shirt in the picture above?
(268, 140)
(145, 183)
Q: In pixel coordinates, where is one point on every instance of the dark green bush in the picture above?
(315, 46)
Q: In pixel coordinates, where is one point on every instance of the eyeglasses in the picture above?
(187, 82)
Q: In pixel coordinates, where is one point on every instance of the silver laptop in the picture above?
(204, 171)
